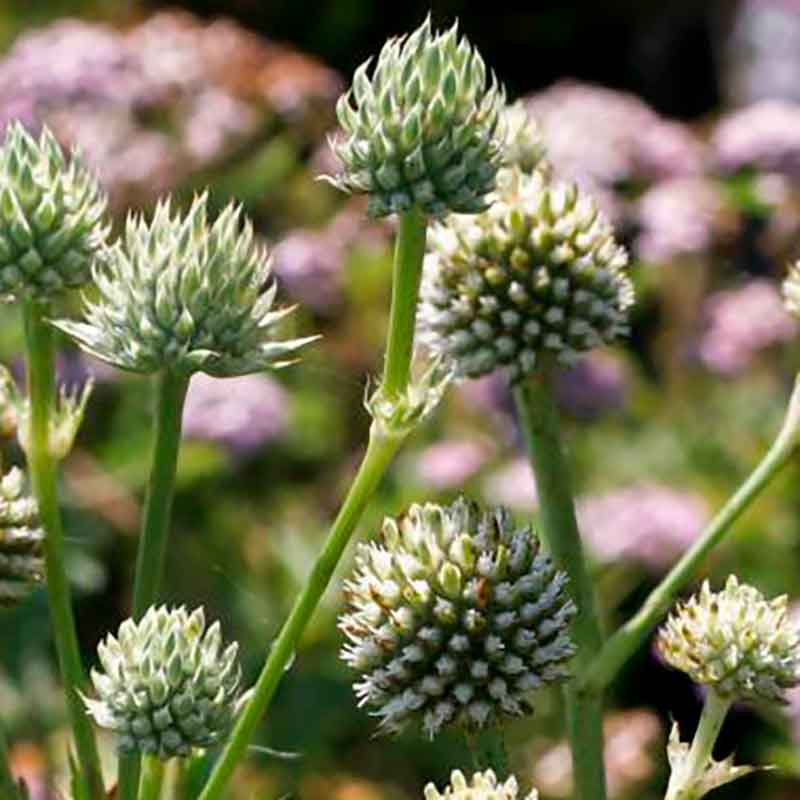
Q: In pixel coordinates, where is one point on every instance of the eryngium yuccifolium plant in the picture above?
(524, 146)
(167, 684)
(482, 786)
(424, 129)
(538, 275)
(454, 617)
(51, 217)
(735, 641)
(187, 295)
(21, 560)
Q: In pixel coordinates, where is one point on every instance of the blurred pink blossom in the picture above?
(449, 464)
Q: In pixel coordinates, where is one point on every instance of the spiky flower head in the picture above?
(423, 130)
(51, 217)
(735, 641)
(455, 616)
(791, 289)
(21, 560)
(482, 786)
(187, 295)
(538, 276)
(167, 684)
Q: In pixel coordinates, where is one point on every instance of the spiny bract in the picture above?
(167, 684)
(483, 786)
(454, 618)
(736, 641)
(21, 561)
(424, 130)
(51, 217)
(185, 295)
(539, 274)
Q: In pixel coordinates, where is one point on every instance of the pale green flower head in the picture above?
(455, 617)
(482, 786)
(167, 684)
(21, 536)
(791, 289)
(524, 146)
(734, 641)
(539, 277)
(424, 130)
(52, 211)
(183, 294)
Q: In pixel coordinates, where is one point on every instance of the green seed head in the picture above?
(538, 276)
(21, 561)
(167, 684)
(483, 786)
(186, 295)
(423, 129)
(736, 641)
(454, 617)
(51, 217)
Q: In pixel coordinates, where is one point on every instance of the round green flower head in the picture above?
(483, 786)
(539, 275)
(454, 617)
(51, 217)
(21, 560)
(167, 685)
(524, 146)
(423, 130)
(182, 294)
(735, 641)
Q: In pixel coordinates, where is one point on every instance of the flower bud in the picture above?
(538, 276)
(423, 130)
(167, 684)
(734, 641)
(185, 295)
(455, 617)
(482, 786)
(51, 217)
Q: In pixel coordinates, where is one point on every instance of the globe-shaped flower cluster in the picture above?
(537, 276)
(482, 786)
(51, 217)
(183, 294)
(21, 537)
(454, 617)
(167, 684)
(735, 641)
(423, 130)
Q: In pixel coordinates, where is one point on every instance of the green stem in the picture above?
(540, 422)
(152, 778)
(684, 780)
(408, 256)
(44, 478)
(8, 783)
(170, 396)
(380, 452)
(625, 641)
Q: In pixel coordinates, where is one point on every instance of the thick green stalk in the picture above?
(540, 422)
(408, 256)
(407, 272)
(8, 784)
(684, 780)
(170, 396)
(625, 641)
(152, 778)
(44, 477)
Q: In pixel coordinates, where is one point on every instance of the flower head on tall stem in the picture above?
(51, 217)
(423, 131)
(539, 275)
(482, 786)
(187, 295)
(455, 617)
